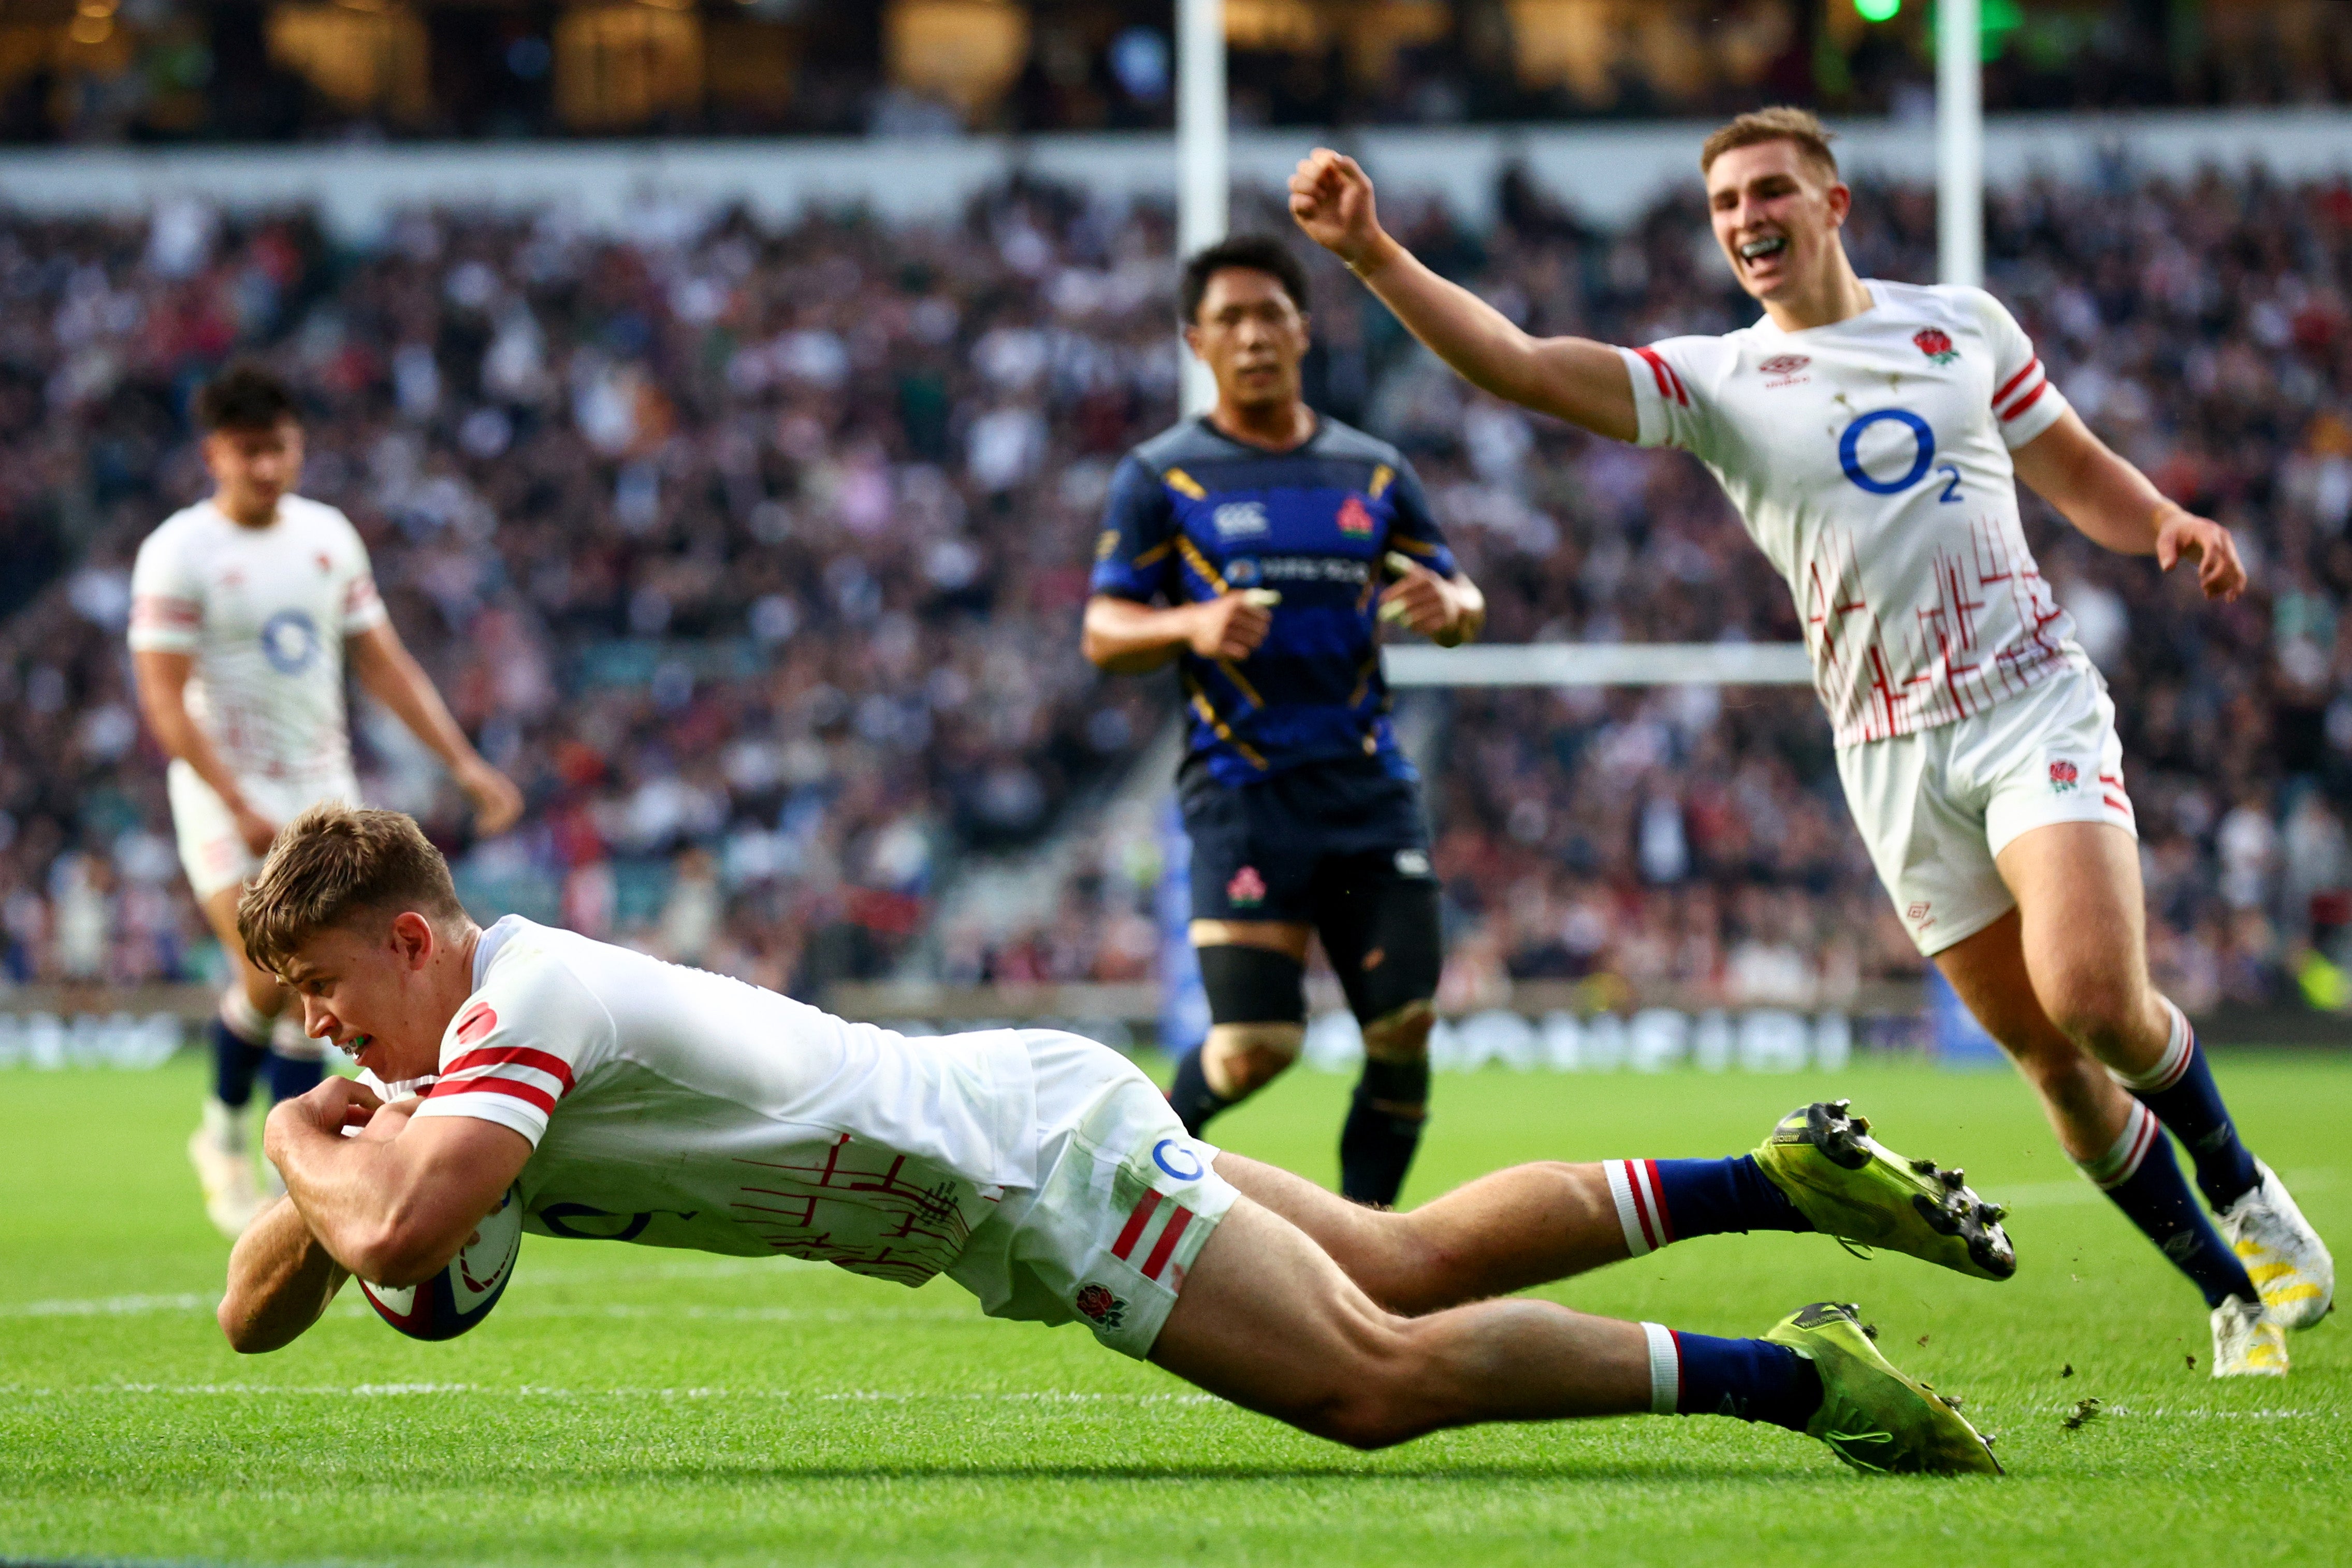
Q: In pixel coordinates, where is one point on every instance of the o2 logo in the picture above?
(289, 641)
(1923, 456)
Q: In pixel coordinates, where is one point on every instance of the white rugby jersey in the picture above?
(265, 611)
(1870, 461)
(672, 1107)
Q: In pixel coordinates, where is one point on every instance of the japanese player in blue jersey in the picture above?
(1259, 548)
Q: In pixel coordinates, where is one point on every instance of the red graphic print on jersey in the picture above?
(1935, 345)
(480, 1020)
(2063, 775)
(1785, 365)
(1354, 521)
(1247, 889)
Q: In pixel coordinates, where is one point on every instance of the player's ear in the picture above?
(413, 937)
(1192, 340)
(1840, 198)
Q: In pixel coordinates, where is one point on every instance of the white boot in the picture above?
(224, 1163)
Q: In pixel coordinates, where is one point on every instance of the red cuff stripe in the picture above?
(2014, 381)
(1133, 1229)
(1641, 1204)
(553, 1067)
(1649, 1169)
(530, 1093)
(1165, 1247)
(2028, 401)
(1669, 383)
(2120, 803)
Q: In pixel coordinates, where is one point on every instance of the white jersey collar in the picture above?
(492, 939)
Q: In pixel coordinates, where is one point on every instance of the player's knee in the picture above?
(1240, 1058)
(1401, 1035)
(1376, 1400)
(2092, 1008)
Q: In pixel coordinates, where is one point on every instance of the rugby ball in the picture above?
(462, 1294)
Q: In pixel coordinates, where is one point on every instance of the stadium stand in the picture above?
(757, 557)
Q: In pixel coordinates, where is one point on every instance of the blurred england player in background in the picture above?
(242, 608)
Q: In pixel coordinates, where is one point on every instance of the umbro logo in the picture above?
(1785, 369)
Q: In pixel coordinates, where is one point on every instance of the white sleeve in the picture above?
(362, 607)
(2024, 402)
(167, 600)
(519, 1046)
(1671, 382)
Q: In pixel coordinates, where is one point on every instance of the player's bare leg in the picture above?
(1269, 1321)
(2063, 983)
(251, 1013)
(1501, 1233)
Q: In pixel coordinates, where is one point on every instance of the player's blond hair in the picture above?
(332, 864)
(1779, 123)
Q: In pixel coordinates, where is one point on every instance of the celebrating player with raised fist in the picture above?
(1871, 435)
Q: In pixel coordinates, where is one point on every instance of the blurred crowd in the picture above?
(757, 556)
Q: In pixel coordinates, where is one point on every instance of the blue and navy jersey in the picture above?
(1194, 514)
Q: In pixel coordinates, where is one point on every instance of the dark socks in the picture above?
(2181, 1091)
(1190, 1095)
(1749, 1380)
(1659, 1201)
(1383, 1128)
(2141, 1177)
(293, 1076)
(235, 1061)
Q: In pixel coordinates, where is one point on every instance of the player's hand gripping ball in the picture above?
(462, 1294)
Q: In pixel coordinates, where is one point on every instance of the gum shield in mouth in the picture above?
(1756, 249)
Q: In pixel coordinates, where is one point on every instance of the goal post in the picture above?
(1600, 664)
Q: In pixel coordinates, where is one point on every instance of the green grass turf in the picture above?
(625, 1404)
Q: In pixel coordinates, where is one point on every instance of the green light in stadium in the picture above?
(1877, 10)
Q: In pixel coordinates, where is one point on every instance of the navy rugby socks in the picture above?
(239, 1037)
(2141, 1177)
(1190, 1096)
(293, 1076)
(1661, 1201)
(2180, 1090)
(1749, 1380)
(1382, 1130)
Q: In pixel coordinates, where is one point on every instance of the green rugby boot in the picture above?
(1872, 1416)
(1854, 1187)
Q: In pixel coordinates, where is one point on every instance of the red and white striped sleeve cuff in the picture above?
(363, 607)
(1641, 1205)
(2026, 404)
(515, 1086)
(1659, 395)
(163, 623)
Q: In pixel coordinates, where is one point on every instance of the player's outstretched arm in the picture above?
(393, 1210)
(395, 678)
(1582, 382)
(280, 1283)
(2117, 506)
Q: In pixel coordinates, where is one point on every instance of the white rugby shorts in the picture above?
(1124, 1202)
(211, 850)
(1936, 807)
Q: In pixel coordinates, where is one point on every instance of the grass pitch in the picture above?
(625, 1405)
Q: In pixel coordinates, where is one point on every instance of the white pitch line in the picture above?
(2080, 1191)
(111, 1306)
(531, 1391)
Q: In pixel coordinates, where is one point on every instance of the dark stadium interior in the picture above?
(758, 556)
(173, 70)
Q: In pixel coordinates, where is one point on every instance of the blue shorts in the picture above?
(1285, 848)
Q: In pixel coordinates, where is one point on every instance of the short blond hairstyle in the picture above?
(1779, 123)
(332, 864)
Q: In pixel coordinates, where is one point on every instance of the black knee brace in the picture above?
(1384, 938)
(1253, 985)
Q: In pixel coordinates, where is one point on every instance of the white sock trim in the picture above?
(1639, 1239)
(1665, 1369)
(2170, 1067)
(245, 1021)
(2121, 1163)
